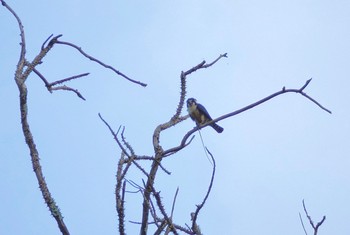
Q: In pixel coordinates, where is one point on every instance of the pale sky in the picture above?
(268, 159)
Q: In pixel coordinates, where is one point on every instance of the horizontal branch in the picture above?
(283, 91)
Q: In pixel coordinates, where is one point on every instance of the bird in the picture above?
(200, 115)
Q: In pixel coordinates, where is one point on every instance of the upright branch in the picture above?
(315, 227)
(23, 70)
(159, 152)
(194, 215)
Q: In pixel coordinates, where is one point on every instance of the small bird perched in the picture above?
(200, 115)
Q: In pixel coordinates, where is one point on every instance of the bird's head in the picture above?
(191, 101)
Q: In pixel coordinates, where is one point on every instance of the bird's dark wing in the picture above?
(202, 110)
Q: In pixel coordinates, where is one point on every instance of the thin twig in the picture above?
(67, 88)
(199, 207)
(21, 60)
(43, 45)
(302, 223)
(100, 62)
(50, 87)
(115, 135)
(173, 207)
(47, 84)
(69, 78)
(212, 63)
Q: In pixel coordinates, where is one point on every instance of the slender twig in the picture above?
(50, 87)
(48, 38)
(100, 62)
(66, 88)
(115, 135)
(199, 207)
(21, 60)
(69, 78)
(302, 224)
(47, 84)
(212, 63)
(174, 201)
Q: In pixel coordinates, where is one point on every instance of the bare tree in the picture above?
(152, 201)
(23, 70)
(153, 210)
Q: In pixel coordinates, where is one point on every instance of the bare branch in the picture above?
(315, 227)
(38, 59)
(69, 78)
(47, 84)
(43, 45)
(283, 91)
(50, 87)
(182, 145)
(162, 210)
(159, 152)
(302, 223)
(66, 88)
(199, 207)
(101, 63)
(212, 63)
(119, 193)
(20, 78)
(21, 60)
(173, 207)
(183, 79)
(114, 135)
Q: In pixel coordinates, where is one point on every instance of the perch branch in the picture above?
(283, 91)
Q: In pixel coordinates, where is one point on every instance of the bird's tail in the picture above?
(216, 127)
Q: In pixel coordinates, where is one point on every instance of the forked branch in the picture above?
(315, 227)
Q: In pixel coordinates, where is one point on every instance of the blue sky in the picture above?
(268, 159)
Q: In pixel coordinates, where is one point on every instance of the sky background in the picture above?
(268, 159)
